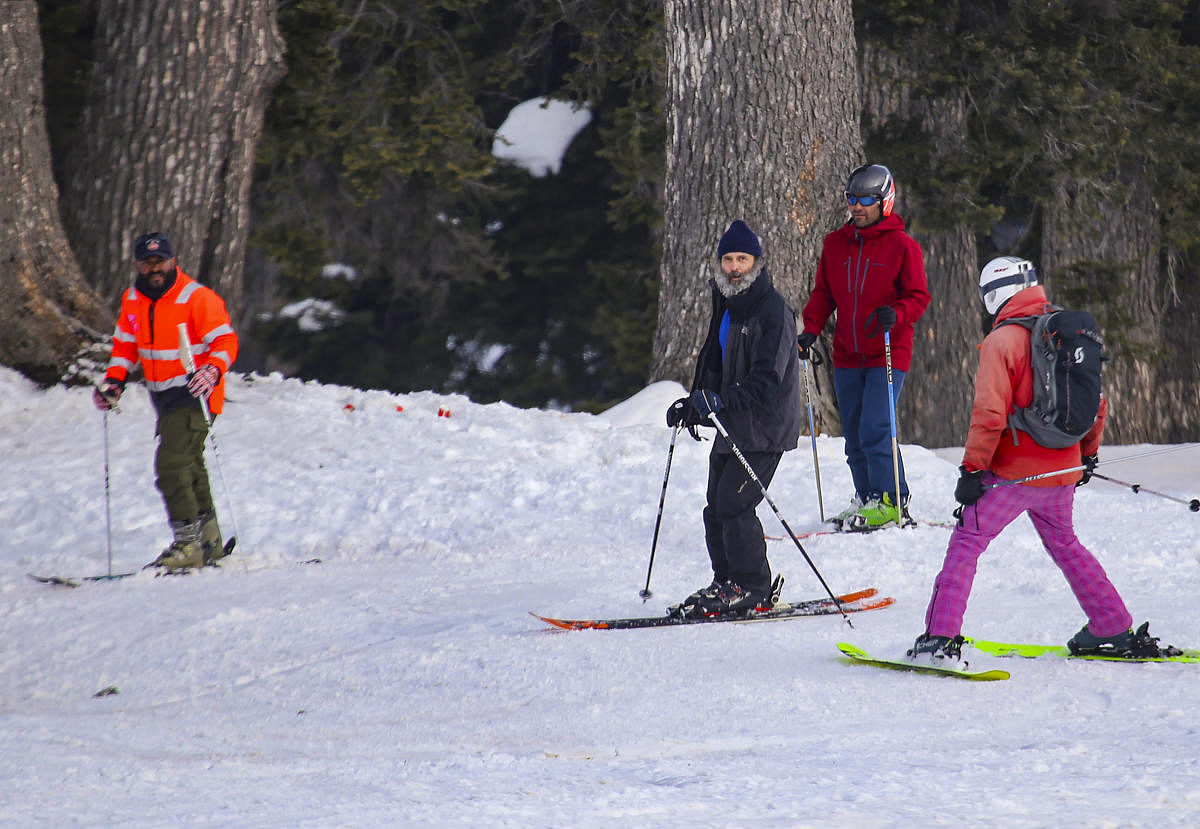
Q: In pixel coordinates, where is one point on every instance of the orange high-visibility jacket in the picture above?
(147, 332)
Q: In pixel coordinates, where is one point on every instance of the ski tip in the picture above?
(58, 581)
(858, 655)
(569, 624)
(558, 623)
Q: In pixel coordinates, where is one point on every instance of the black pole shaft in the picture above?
(1193, 504)
(645, 591)
(750, 471)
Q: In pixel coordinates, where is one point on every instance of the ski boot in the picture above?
(688, 607)
(186, 551)
(734, 600)
(849, 512)
(210, 537)
(876, 514)
(1130, 644)
(936, 647)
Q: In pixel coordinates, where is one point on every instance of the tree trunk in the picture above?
(1111, 259)
(47, 312)
(174, 112)
(762, 119)
(935, 408)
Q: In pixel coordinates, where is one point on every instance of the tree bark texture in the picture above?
(1148, 319)
(47, 311)
(762, 120)
(935, 408)
(174, 113)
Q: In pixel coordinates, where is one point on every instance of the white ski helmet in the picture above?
(1003, 277)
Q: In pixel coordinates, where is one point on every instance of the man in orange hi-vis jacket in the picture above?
(161, 299)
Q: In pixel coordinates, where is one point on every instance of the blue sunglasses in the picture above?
(865, 201)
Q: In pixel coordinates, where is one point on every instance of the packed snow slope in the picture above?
(399, 680)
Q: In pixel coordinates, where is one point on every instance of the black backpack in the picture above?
(1066, 350)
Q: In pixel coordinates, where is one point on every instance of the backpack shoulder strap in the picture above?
(1026, 322)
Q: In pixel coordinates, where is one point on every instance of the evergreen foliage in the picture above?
(377, 155)
(1085, 93)
(474, 277)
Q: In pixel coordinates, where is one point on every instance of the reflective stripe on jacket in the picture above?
(147, 332)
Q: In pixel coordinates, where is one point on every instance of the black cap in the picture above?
(150, 245)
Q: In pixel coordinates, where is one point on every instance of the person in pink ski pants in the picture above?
(995, 456)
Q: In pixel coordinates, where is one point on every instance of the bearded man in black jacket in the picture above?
(748, 375)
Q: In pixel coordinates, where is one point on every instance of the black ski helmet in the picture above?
(873, 180)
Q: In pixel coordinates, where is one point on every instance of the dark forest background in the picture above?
(1063, 132)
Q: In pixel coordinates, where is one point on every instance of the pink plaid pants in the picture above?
(1050, 509)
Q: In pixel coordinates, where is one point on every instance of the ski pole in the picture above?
(107, 500)
(1109, 461)
(812, 432)
(887, 355)
(750, 471)
(1193, 504)
(189, 364)
(645, 591)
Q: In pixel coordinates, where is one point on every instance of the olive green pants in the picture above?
(181, 475)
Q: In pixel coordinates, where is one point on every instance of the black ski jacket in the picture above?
(758, 376)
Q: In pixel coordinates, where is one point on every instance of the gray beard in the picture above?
(728, 289)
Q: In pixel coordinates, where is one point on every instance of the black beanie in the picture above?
(739, 239)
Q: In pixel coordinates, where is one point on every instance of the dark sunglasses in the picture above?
(865, 201)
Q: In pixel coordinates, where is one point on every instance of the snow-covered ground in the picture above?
(401, 682)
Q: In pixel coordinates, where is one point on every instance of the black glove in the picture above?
(970, 486)
(1089, 463)
(804, 341)
(704, 401)
(884, 318)
(677, 413)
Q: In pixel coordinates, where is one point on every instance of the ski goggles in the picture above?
(865, 201)
(1025, 276)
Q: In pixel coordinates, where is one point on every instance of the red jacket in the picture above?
(147, 332)
(859, 271)
(1003, 385)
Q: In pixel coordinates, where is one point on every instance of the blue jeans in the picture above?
(862, 397)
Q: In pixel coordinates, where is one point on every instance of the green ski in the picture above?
(1061, 652)
(858, 655)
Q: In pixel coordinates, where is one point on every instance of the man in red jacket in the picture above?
(995, 457)
(161, 299)
(873, 274)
